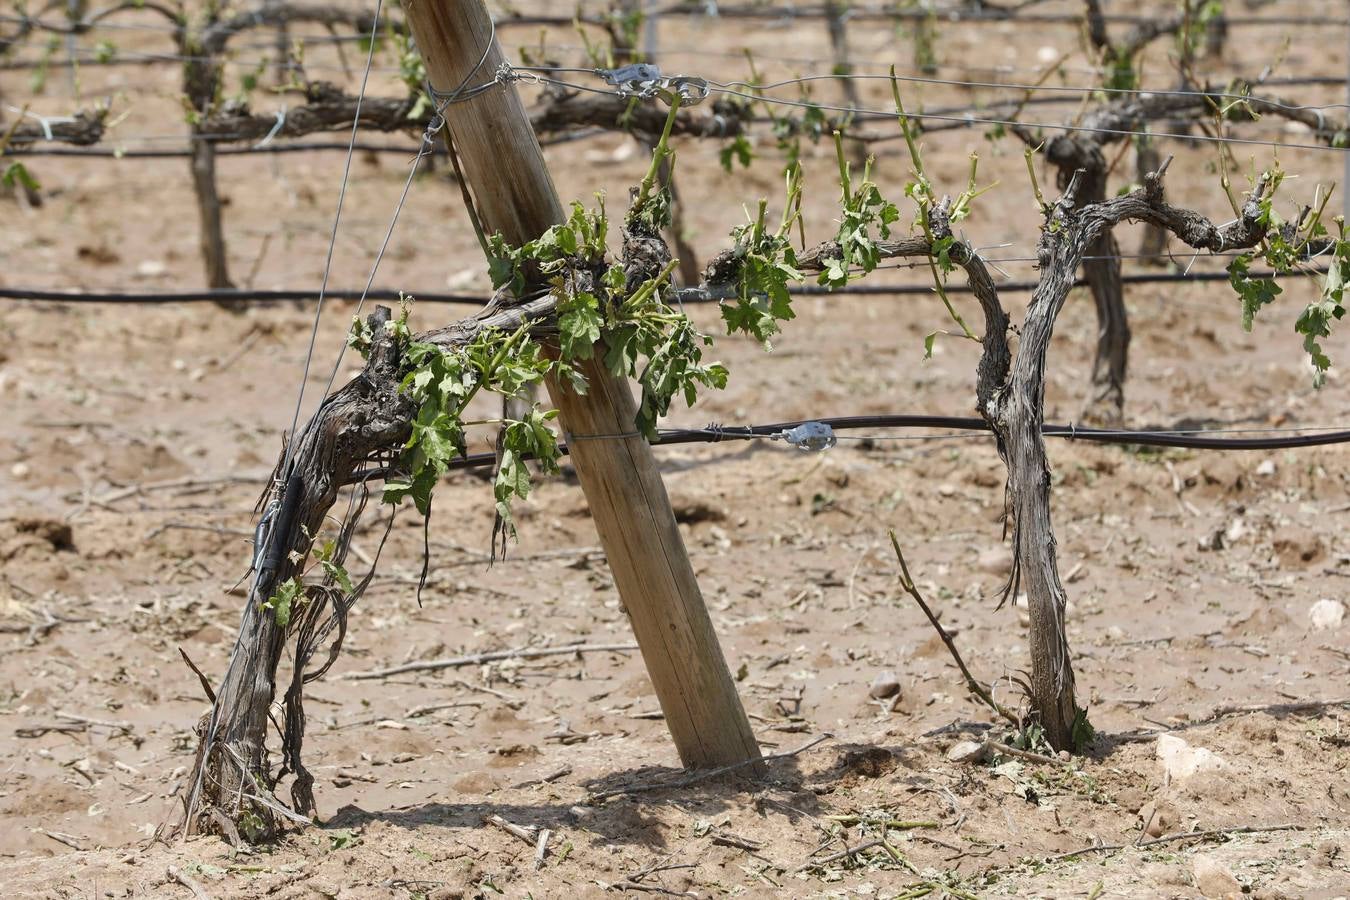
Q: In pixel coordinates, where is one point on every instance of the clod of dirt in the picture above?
(885, 685)
(1159, 817)
(1181, 761)
(995, 561)
(1213, 879)
(1222, 475)
(987, 477)
(1326, 854)
(101, 254)
(692, 510)
(1298, 546)
(1326, 614)
(969, 752)
(34, 535)
(867, 762)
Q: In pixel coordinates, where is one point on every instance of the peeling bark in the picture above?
(364, 417)
(1018, 413)
(210, 224)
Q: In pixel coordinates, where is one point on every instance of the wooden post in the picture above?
(505, 169)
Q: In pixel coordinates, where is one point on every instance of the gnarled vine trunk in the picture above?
(1080, 156)
(201, 83)
(232, 776)
(1017, 413)
(210, 220)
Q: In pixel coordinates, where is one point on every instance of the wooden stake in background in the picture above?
(504, 167)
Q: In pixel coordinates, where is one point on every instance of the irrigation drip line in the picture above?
(685, 295)
(113, 153)
(961, 426)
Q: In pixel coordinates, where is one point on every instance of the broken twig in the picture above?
(976, 689)
(432, 665)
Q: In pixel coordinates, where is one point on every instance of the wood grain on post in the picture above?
(505, 169)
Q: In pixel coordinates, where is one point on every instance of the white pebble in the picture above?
(1326, 614)
(1180, 760)
(885, 685)
(969, 752)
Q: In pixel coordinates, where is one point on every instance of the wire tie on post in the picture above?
(717, 431)
(507, 73)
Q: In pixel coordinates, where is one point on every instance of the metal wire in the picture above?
(1120, 132)
(1051, 88)
(332, 243)
(461, 92)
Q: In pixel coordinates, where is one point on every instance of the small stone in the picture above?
(883, 686)
(1266, 468)
(1047, 54)
(19, 470)
(1326, 614)
(1180, 760)
(462, 279)
(995, 561)
(1159, 817)
(947, 490)
(1298, 546)
(1213, 879)
(969, 752)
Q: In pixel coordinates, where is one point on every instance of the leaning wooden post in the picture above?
(504, 166)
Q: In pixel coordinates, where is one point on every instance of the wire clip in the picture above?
(646, 80)
(815, 436)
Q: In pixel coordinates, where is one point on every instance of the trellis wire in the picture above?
(963, 427)
(954, 15)
(332, 243)
(1052, 126)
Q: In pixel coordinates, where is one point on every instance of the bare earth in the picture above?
(136, 440)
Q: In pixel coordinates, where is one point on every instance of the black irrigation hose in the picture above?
(38, 148)
(714, 434)
(225, 296)
(688, 296)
